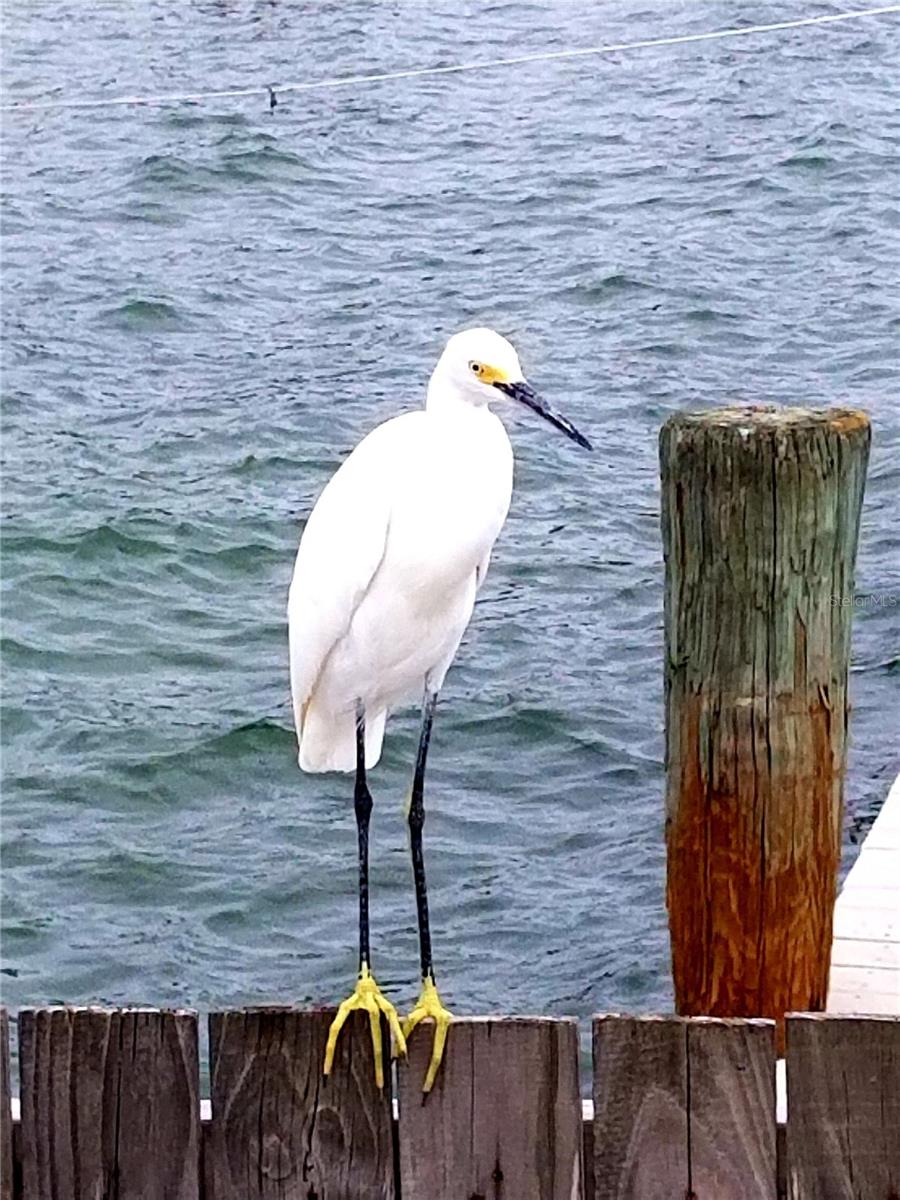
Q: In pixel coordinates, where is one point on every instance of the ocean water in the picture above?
(206, 306)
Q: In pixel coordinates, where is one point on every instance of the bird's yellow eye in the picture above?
(476, 368)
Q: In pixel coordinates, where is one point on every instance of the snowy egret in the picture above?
(390, 561)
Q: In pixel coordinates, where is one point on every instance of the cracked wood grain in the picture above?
(503, 1121)
(843, 1133)
(110, 1104)
(760, 519)
(280, 1130)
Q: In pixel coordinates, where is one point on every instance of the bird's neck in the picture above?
(446, 402)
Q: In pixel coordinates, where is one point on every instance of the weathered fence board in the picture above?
(6, 1147)
(684, 1108)
(504, 1118)
(843, 1135)
(279, 1128)
(731, 1103)
(640, 1108)
(110, 1104)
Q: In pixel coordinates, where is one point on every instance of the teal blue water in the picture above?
(205, 307)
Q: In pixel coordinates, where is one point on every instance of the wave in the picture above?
(255, 738)
(183, 540)
(809, 162)
(99, 542)
(602, 289)
(144, 314)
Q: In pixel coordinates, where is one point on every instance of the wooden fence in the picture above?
(684, 1109)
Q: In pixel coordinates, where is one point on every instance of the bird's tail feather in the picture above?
(328, 740)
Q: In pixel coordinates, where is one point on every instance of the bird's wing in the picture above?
(340, 551)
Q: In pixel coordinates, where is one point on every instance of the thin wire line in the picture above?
(455, 69)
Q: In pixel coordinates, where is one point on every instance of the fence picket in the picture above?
(843, 1134)
(110, 1104)
(684, 1107)
(504, 1117)
(731, 1105)
(279, 1128)
(640, 1108)
(6, 1144)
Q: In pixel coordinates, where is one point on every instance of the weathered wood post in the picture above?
(760, 517)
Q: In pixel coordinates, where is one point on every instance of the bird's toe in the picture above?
(430, 1007)
(366, 997)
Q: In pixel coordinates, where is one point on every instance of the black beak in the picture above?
(525, 393)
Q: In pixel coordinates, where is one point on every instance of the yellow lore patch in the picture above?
(488, 374)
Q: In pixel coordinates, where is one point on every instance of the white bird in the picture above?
(384, 584)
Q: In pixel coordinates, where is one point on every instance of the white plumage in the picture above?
(395, 549)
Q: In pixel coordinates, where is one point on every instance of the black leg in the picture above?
(363, 806)
(366, 996)
(428, 1006)
(416, 825)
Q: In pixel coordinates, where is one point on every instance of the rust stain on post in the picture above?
(760, 520)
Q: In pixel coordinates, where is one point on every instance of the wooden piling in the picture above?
(760, 518)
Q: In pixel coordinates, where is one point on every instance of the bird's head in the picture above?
(479, 366)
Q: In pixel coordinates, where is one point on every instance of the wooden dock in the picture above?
(865, 955)
(682, 1107)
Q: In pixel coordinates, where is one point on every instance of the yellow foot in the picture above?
(429, 1006)
(367, 996)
